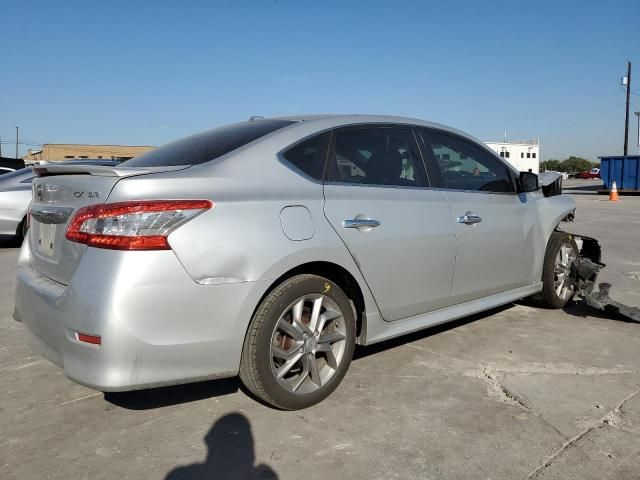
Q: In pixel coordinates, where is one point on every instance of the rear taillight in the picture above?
(138, 225)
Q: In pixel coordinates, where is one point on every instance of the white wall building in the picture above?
(524, 155)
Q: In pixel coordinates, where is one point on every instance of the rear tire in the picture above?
(557, 289)
(299, 344)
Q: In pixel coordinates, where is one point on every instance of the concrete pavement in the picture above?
(513, 393)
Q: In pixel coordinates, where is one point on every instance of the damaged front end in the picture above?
(584, 273)
(550, 183)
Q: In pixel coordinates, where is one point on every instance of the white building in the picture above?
(524, 155)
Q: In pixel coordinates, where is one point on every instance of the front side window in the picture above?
(377, 156)
(310, 155)
(464, 166)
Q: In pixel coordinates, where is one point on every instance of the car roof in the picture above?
(351, 118)
(332, 120)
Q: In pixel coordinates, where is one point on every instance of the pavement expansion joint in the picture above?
(609, 420)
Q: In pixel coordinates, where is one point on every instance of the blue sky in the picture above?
(144, 73)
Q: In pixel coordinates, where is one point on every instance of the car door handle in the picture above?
(469, 218)
(360, 223)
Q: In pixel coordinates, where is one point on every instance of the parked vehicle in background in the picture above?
(269, 248)
(593, 173)
(12, 163)
(564, 175)
(15, 195)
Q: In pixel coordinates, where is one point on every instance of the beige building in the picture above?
(53, 152)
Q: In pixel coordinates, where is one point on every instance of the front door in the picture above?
(493, 228)
(398, 231)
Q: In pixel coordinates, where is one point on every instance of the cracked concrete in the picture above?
(616, 449)
(497, 390)
(515, 393)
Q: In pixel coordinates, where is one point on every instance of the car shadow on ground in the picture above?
(174, 395)
(231, 454)
(581, 309)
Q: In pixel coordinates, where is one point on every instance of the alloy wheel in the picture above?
(308, 344)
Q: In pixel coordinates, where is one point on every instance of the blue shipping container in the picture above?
(624, 170)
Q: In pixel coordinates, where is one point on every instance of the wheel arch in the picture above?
(552, 211)
(337, 274)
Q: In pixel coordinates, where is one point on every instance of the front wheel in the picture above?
(558, 287)
(299, 343)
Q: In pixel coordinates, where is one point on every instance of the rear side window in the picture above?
(310, 156)
(377, 156)
(464, 166)
(208, 145)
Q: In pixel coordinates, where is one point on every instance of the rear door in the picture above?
(493, 225)
(397, 229)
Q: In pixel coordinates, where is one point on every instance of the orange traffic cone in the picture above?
(613, 193)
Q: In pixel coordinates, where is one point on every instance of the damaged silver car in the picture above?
(269, 248)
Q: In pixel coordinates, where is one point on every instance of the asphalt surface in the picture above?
(513, 393)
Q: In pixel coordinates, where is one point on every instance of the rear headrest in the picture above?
(384, 167)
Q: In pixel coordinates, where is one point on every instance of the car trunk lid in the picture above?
(58, 192)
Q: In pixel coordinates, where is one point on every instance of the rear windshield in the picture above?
(208, 145)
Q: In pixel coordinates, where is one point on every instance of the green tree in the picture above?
(550, 164)
(575, 165)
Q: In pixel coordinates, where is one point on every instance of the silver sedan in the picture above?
(270, 248)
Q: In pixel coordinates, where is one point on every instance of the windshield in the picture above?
(208, 145)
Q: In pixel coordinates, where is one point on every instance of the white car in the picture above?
(15, 195)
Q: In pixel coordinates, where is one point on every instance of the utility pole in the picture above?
(17, 143)
(626, 117)
(1, 146)
(637, 114)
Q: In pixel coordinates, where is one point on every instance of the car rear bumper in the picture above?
(157, 326)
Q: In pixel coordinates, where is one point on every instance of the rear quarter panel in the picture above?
(241, 239)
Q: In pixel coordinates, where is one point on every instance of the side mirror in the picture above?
(528, 182)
